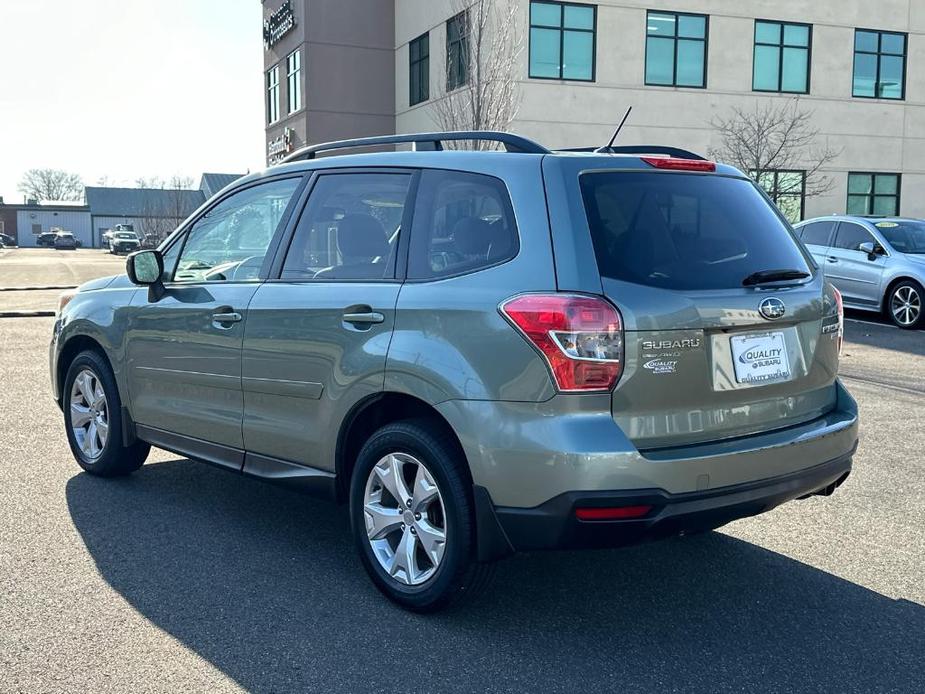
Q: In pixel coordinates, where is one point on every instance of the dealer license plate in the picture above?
(760, 358)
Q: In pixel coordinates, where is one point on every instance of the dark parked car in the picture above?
(477, 352)
(46, 238)
(64, 240)
(7, 241)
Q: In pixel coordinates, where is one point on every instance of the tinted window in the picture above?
(562, 40)
(850, 236)
(781, 62)
(684, 231)
(229, 242)
(463, 222)
(873, 194)
(905, 237)
(817, 233)
(419, 70)
(349, 229)
(676, 49)
(879, 64)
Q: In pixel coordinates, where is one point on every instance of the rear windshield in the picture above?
(684, 231)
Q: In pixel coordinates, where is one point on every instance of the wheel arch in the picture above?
(885, 298)
(374, 412)
(69, 351)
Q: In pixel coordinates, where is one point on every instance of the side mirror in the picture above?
(868, 248)
(144, 267)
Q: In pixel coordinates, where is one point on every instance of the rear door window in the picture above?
(349, 229)
(463, 222)
(685, 231)
(817, 233)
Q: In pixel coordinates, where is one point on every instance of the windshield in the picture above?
(686, 231)
(124, 235)
(905, 237)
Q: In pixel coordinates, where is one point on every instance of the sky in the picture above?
(115, 90)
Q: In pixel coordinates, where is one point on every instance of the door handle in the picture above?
(832, 259)
(229, 317)
(368, 317)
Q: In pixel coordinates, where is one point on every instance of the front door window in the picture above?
(230, 241)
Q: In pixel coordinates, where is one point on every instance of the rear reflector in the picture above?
(681, 164)
(615, 513)
(581, 337)
(840, 307)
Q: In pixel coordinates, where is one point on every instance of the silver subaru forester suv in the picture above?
(478, 352)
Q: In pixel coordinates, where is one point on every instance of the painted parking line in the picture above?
(26, 314)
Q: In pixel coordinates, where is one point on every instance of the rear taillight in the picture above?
(681, 164)
(581, 337)
(840, 308)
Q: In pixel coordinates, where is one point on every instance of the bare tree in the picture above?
(776, 136)
(164, 205)
(488, 98)
(51, 184)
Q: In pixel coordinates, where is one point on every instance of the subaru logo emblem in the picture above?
(772, 308)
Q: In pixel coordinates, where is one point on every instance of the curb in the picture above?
(28, 289)
(27, 314)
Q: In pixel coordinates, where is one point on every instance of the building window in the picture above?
(879, 65)
(875, 194)
(419, 74)
(273, 94)
(787, 188)
(457, 51)
(562, 40)
(676, 49)
(781, 62)
(294, 81)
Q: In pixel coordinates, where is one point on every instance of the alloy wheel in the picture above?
(906, 305)
(405, 518)
(89, 414)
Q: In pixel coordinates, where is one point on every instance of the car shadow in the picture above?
(265, 585)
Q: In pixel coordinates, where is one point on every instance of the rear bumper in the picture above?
(553, 525)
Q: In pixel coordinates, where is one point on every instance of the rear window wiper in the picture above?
(763, 276)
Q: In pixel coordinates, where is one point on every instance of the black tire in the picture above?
(914, 290)
(458, 575)
(114, 459)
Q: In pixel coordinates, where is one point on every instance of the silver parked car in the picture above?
(878, 264)
(476, 352)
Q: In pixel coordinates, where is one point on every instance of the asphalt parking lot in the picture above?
(184, 577)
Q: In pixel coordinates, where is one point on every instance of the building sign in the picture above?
(279, 147)
(278, 24)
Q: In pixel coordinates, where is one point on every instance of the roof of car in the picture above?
(429, 152)
(477, 161)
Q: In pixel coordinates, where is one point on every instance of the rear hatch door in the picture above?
(718, 343)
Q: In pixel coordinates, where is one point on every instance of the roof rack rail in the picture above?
(423, 142)
(639, 149)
